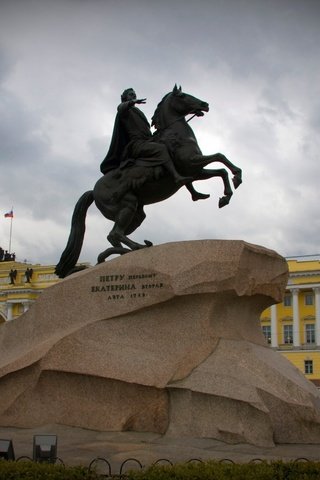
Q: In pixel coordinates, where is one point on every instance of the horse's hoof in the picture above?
(200, 196)
(223, 201)
(237, 180)
(148, 243)
(111, 251)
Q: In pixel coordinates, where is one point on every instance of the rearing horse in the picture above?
(141, 185)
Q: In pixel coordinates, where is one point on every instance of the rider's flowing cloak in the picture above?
(119, 141)
(141, 150)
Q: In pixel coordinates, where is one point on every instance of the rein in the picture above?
(191, 117)
(176, 120)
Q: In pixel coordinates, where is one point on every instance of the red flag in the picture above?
(9, 214)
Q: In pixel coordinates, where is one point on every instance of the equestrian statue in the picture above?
(142, 168)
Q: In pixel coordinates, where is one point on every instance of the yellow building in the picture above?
(293, 326)
(20, 285)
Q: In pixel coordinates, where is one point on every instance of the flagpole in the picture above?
(10, 237)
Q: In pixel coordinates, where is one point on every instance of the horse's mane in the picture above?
(156, 119)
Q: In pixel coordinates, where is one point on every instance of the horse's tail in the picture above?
(71, 253)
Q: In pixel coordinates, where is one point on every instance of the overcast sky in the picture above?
(63, 66)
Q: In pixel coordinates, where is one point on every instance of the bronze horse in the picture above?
(142, 185)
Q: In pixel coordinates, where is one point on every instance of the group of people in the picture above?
(5, 256)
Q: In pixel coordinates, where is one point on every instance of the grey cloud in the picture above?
(61, 75)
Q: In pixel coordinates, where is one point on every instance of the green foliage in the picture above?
(43, 471)
(219, 471)
(189, 471)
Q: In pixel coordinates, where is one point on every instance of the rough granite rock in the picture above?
(165, 339)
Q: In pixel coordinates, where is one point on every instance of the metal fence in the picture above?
(105, 468)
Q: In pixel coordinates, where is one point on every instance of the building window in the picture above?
(266, 330)
(308, 299)
(308, 366)
(310, 333)
(287, 301)
(288, 334)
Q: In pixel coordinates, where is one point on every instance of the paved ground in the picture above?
(79, 446)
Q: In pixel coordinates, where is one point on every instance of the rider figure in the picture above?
(132, 141)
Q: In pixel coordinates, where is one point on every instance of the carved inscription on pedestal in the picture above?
(121, 286)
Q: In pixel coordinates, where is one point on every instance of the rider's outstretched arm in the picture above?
(124, 106)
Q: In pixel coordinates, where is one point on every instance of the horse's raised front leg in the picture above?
(220, 172)
(203, 160)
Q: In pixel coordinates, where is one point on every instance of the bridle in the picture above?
(174, 121)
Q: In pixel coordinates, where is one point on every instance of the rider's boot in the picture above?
(179, 179)
(196, 195)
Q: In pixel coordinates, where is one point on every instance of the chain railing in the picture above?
(105, 467)
(136, 464)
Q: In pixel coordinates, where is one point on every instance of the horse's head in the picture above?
(183, 103)
(177, 104)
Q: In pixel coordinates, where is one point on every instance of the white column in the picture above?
(25, 306)
(9, 311)
(274, 326)
(317, 313)
(296, 317)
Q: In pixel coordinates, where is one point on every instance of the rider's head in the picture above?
(128, 94)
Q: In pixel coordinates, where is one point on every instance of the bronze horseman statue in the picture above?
(140, 169)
